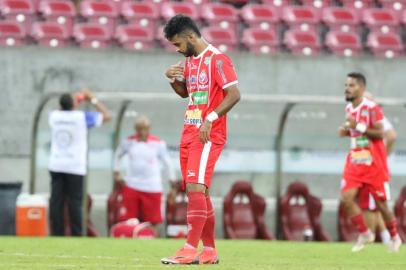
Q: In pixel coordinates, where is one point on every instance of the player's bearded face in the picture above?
(190, 49)
(352, 89)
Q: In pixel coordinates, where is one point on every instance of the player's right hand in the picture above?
(174, 71)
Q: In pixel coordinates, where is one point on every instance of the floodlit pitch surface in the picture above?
(103, 253)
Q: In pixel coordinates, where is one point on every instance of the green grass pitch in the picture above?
(104, 253)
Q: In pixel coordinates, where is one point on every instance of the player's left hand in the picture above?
(351, 123)
(205, 132)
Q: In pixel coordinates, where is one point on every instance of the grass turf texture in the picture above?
(103, 253)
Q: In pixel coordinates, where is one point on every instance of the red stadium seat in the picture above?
(197, 2)
(12, 34)
(175, 214)
(134, 37)
(341, 18)
(21, 11)
(225, 40)
(263, 16)
(170, 9)
(244, 213)
(358, 5)
(400, 213)
(300, 215)
(379, 19)
(302, 43)
(93, 36)
(143, 13)
(113, 205)
(101, 12)
(257, 40)
(62, 12)
(91, 229)
(385, 45)
(50, 34)
(301, 17)
(343, 43)
(318, 5)
(223, 15)
(398, 6)
(346, 230)
(278, 4)
(235, 2)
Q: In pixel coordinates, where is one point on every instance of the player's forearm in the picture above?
(390, 137)
(232, 97)
(100, 107)
(374, 133)
(343, 132)
(180, 88)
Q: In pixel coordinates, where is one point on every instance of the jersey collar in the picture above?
(203, 52)
(359, 105)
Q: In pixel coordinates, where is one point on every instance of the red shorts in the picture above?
(379, 191)
(197, 161)
(365, 199)
(146, 206)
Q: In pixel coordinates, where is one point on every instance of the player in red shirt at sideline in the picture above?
(373, 217)
(366, 163)
(209, 81)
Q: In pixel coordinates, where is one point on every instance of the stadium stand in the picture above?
(134, 37)
(387, 45)
(400, 212)
(93, 36)
(62, 12)
(281, 18)
(300, 215)
(21, 11)
(302, 42)
(343, 43)
(260, 41)
(224, 39)
(12, 34)
(243, 216)
(50, 34)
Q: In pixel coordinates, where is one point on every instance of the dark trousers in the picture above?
(67, 188)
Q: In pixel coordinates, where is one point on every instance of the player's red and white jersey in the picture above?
(366, 161)
(206, 77)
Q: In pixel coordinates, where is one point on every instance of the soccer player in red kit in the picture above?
(366, 163)
(209, 81)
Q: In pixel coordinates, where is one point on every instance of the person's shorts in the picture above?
(197, 161)
(145, 206)
(379, 191)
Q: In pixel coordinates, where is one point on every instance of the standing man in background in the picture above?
(68, 157)
(210, 82)
(366, 162)
(142, 185)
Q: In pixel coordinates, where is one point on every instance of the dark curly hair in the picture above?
(66, 102)
(179, 24)
(359, 77)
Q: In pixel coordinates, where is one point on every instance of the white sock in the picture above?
(385, 236)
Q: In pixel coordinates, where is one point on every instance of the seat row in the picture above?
(148, 14)
(254, 39)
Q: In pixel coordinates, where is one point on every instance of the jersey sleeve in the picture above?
(93, 119)
(224, 72)
(376, 114)
(121, 150)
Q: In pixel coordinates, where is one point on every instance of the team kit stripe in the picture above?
(203, 162)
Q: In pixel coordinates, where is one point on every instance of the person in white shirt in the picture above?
(142, 184)
(68, 157)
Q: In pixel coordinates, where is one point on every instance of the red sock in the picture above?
(208, 229)
(392, 227)
(196, 217)
(359, 222)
